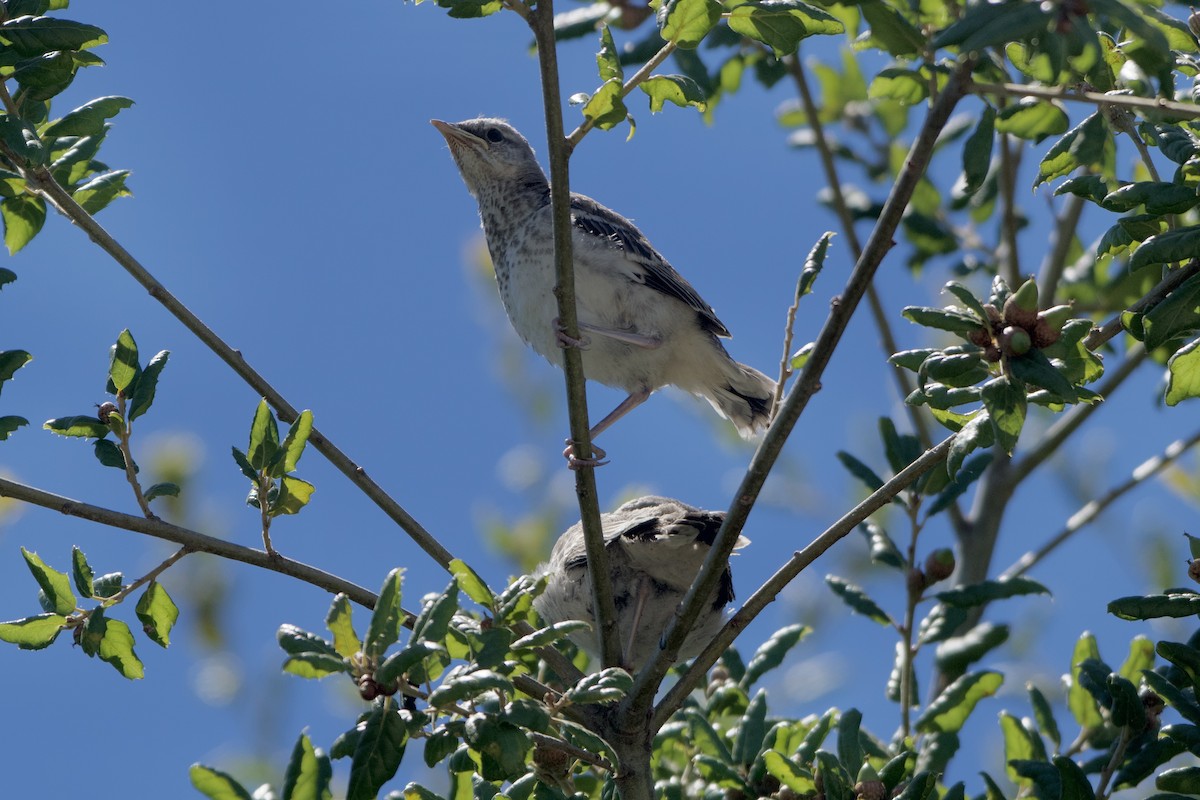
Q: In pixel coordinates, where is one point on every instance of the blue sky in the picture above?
(289, 189)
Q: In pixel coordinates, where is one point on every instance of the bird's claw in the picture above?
(564, 341)
(574, 462)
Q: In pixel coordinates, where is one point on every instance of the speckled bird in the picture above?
(655, 546)
(643, 326)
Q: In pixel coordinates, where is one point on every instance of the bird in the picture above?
(655, 546)
(642, 325)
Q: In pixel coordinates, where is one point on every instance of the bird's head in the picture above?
(490, 152)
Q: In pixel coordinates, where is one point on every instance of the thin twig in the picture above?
(1183, 110)
(841, 309)
(1118, 755)
(785, 363)
(1170, 283)
(41, 180)
(1094, 508)
(767, 593)
(1065, 226)
(1010, 265)
(198, 542)
(123, 434)
(638, 77)
(149, 576)
(541, 22)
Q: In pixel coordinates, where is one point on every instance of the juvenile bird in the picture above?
(643, 325)
(655, 548)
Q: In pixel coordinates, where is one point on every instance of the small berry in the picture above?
(939, 565)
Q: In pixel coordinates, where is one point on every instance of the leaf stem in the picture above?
(1183, 110)
(638, 77)
(149, 576)
(123, 435)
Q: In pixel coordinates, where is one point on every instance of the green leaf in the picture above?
(957, 653)
(901, 450)
(977, 152)
(1182, 604)
(296, 641)
(108, 454)
(11, 361)
(857, 599)
(108, 584)
(32, 36)
(293, 444)
(1183, 373)
(32, 633)
(89, 119)
(678, 89)
(1005, 404)
(472, 585)
(1159, 197)
(23, 218)
(1178, 314)
(1183, 780)
(1082, 146)
(860, 470)
(891, 30)
(9, 424)
(309, 773)
(849, 744)
(294, 495)
(384, 630)
(314, 666)
(56, 585)
(606, 686)
(157, 613)
(751, 730)
(1079, 700)
(781, 24)
(942, 319)
(502, 747)
(687, 22)
(470, 9)
(123, 367)
(340, 622)
(956, 702)
(147, 384)
(401, 662)
(987, 591)
(1032, 119)
(771, 653)
(1126, 710)
(1167, 248)
(434, 619)
(81, 573)
(1185, 658)
(469, 686)
(115, 644)
(608, 59)
(1036, 369)
(377, 755)
(1140, 659)
(788, 773)
(606, 107)
(987, 24)
(883, 549)
(264, 437)
(244, 465)
(544, 637)
(216, 785)
(97, 193)
(161, 490)
(905, 86)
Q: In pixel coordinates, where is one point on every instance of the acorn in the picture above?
(980, 337)
(1015, 341)
(368, 689)
(1021, 308)
(1048, 329)
(870, 790)
(1194, 569)
(104, 410)
(917, 581)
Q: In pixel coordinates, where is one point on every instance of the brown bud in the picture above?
(916, 581)
(1153, 704)
(939, 565)
(980, 337)
(368, 689)
(1194, 569)
(1194, 23)
(992, 353)
(870, 790)
(994, 315)
(1044, 334)
(1020, 309)
(104, 410)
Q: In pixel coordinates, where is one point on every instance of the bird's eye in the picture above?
(494, 135)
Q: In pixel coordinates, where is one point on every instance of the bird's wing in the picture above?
(646, 266)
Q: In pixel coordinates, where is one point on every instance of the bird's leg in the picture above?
(628, 337)
(564, 341)
(631, 402)
(643, 594)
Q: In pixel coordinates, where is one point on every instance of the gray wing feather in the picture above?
(594, 219)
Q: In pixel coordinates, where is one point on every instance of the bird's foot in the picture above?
(574, 462)
(564, 341)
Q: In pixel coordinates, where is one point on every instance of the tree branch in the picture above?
(1094, 508)
(577, 135)
(767, 593)
(41, 180)
(880, 242)
(1182, 110)
(192, 540)
(541, 22)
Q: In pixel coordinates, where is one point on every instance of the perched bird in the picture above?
(643, 325)
(655, 548)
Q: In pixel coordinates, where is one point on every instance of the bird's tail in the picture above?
(743, 396)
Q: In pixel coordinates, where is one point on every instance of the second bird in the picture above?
(643, 325)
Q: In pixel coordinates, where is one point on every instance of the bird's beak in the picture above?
(456, 137)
